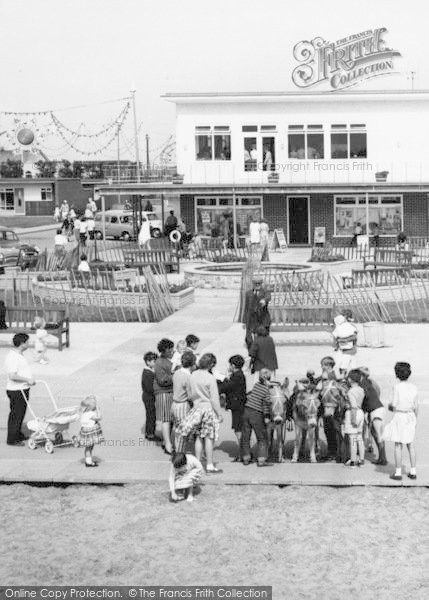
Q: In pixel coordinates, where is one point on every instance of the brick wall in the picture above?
(275, 211)
(416, 214)
(187, 212)
(322, 214)
(73, 191)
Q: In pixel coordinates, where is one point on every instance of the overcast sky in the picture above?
(61, 53)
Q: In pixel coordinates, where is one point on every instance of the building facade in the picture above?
(37, 197)
(302, 161)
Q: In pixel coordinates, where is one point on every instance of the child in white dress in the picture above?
(402, 428)
(177, 356)
(41, 341)
(186, 471)
(345, 339)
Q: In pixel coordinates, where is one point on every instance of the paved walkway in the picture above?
(106, 359)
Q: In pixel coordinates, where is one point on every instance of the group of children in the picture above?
(251, 411)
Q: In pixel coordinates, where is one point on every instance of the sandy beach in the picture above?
(306, 542)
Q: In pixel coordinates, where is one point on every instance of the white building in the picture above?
(303, 160)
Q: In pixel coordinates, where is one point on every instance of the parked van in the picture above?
(120, 224)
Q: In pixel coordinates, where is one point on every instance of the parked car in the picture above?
(14, 253)
(120, 224)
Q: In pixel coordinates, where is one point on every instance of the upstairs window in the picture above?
(348, 142)
(306, 142)
(213, 143)
(203, 143)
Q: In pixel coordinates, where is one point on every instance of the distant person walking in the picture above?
(19, 381)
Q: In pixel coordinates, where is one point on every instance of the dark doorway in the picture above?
(298, 220)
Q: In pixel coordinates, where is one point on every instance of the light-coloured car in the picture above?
(14, 252)
(120, 224)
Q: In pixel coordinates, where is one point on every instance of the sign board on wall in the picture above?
(345, 62)
(319, 235)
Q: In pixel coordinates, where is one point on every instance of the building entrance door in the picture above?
(298, 220)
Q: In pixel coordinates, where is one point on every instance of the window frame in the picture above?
(306, 130)
(217, 206)
(370, 205)
(348, 130)
(3, 199)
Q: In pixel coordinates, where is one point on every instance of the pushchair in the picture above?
(49, 430)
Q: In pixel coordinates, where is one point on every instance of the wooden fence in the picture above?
(95, 296)
(399, 300)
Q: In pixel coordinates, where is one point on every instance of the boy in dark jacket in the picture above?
(148, 396)
(234, 387)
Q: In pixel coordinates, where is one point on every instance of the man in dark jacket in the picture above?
(255, 311)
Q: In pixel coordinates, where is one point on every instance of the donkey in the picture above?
(276, 428)
(305, 405)
(333, 396)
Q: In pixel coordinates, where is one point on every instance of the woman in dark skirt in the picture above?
(163, 390)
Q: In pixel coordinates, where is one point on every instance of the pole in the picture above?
(147, 153)
(136, 139)
(119, 169)
(103, 216)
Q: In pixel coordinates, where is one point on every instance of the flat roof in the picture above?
(269, 188)
(362, 95)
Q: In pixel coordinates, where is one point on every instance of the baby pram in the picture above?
(49, 430)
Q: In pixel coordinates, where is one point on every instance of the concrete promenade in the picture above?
(106, 359)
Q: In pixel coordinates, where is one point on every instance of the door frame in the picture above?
(304, 197)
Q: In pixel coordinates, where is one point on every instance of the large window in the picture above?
(348, 142)
(306, 142)
(382, 212)
(213, 143)
(7, 199)
(215, 215)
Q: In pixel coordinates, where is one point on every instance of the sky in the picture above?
(86, 53)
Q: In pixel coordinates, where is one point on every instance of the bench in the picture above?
(378, 276)
(20, 319)
(317, 317)
(138, 259)
(104, 279)
(388, 258)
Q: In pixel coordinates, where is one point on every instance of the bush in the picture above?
(327, 258)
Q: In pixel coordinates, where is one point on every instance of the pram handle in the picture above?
(48, 389)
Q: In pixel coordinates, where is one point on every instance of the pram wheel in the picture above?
(32, 444)
(59, 438)
(49, 446)
(75, 441)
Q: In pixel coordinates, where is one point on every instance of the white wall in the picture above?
(397, 139)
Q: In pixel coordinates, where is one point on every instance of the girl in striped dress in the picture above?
(90, 429)
(163, 390)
